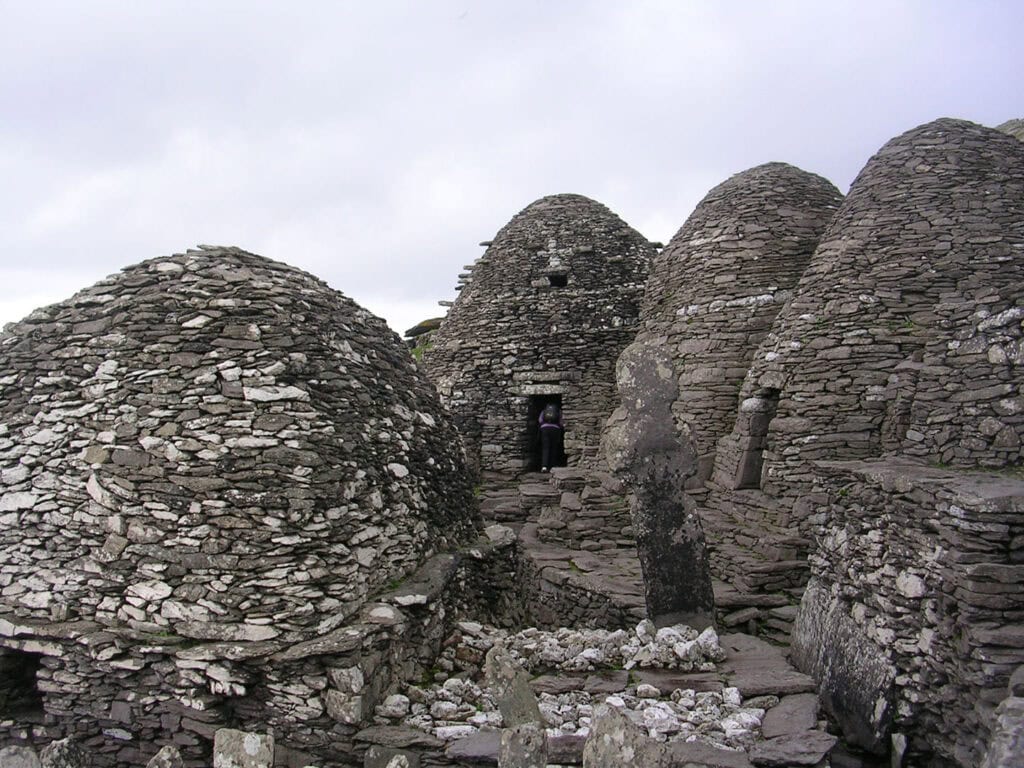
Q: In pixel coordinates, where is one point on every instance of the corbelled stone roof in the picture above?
(548, 307)
(904, 335)
(923, 262)
(219, 446)
(1014, 127)
(718, 285)
(755, 230)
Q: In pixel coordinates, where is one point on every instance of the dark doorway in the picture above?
(558, 281)
(532, 444)
(20, 698)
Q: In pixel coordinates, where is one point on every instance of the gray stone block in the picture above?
(239, 749)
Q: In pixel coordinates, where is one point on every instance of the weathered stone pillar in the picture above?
(646, 450)
(510, 685)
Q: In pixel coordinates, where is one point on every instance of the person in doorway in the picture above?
(551, 429)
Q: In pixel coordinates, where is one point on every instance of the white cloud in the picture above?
(375, 144)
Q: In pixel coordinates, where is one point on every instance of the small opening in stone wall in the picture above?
(20, 697)
(558, 281)
(756, 413)
(532, 446)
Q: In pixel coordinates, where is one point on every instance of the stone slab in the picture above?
(696, 753)
(793, 714)
(480, 749)
(666, 681)
(801, 749)
(240, 749)
(557, 684)
(398, 737)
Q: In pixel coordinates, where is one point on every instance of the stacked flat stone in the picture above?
(1014, 127)
(903, 335)
(912, 621)
(209, 448)
(718, 285)
(217, 445)
(544, 312)
(590, 513)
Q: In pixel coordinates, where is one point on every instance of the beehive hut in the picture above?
(541, 317)
(890, 377)
(1014, 127)
(718, 285)
(210, 462)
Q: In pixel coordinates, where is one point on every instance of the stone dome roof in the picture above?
(1014, 127)
(545, 310)
(559, 234)
(905, 330)
(755, 230)
(716, 288)
(219, 446)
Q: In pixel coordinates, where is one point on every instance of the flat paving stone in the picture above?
(479, 749)
(667, 680)
(696, 753)
(758, 668)
(611, 681)
(793, 714)
(808, 748)
(556, 684)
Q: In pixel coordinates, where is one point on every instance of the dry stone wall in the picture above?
(912, 619)
(902, 336)
(203, 455)
(216, 445)
(718, 285)
(1014, 127)
(542, 314)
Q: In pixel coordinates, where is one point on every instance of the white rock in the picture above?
(646, 691)
(17, 500)
(709, 644)
(13, 475)
(452, 732)
(911, 586)
(270, 394)
(99, 494)
(646, 631)
(396, 705)
(660, 719)
(385, 614)
(150, 590)
(669, 636)
(405, 600)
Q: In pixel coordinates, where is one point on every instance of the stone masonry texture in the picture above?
(206, 458)
(912, 621)
(544, 312)
(229, 498)
(718, 285)
(903, 336)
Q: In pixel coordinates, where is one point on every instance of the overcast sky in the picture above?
(374, 144)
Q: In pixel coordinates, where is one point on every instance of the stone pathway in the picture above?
(753, 671)
(729, 702)
(614, 571)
